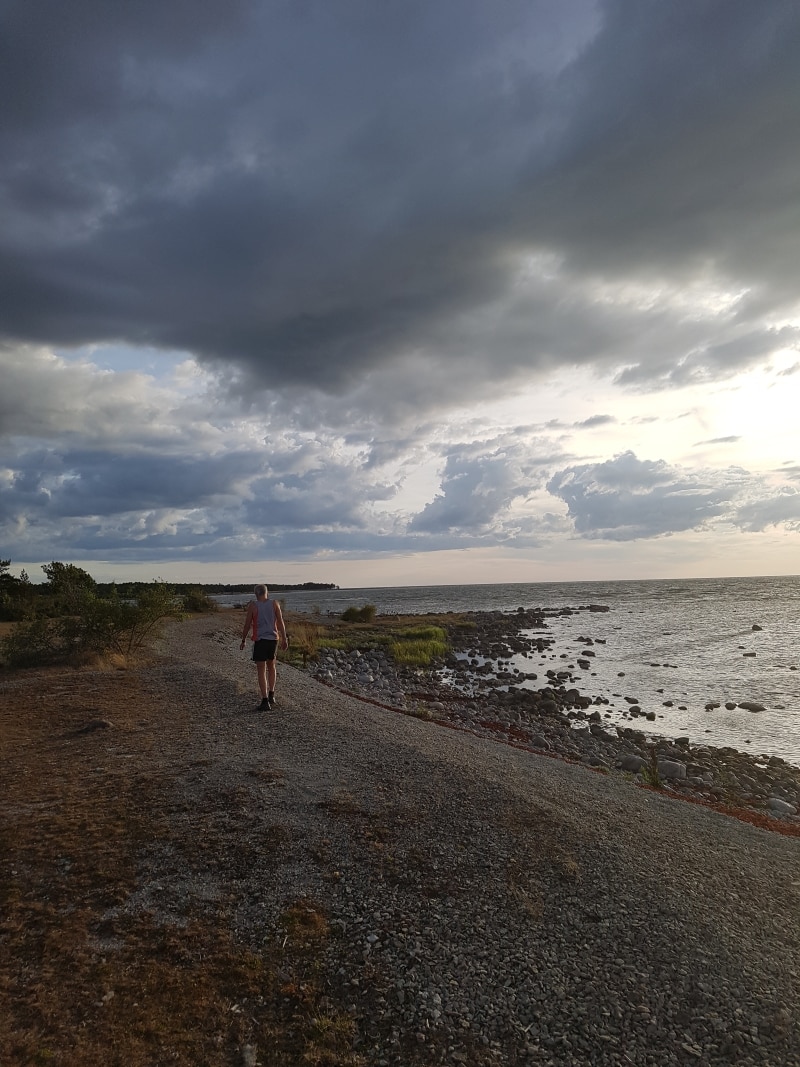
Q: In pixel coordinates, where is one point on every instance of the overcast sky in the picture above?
(400, 292)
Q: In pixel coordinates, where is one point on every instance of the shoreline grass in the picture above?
(400, 636)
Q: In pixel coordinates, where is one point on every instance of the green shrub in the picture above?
(33, 642)
(198, 601)
(365, 614)
(95, 627)
(16, 594)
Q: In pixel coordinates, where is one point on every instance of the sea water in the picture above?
(687, 641)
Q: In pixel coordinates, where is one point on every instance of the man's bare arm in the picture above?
(281, 626)
(247, 620)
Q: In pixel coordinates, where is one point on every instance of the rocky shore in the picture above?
(476, 689)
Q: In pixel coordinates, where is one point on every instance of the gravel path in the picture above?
(490, 906)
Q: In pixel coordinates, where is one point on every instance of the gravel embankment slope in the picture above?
(491, 905)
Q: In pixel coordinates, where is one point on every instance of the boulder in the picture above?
(671, 769)
(632, 762)
(751, 705)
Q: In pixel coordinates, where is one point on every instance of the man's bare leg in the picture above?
(272, 674)
(262, 677)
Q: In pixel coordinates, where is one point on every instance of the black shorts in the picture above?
(264, 650)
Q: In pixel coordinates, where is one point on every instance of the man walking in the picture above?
(264, 621)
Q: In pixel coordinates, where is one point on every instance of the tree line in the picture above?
(20, 596)
(71, 618)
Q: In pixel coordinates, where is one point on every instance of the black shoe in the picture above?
(265, 704)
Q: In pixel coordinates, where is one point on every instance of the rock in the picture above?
(751, 705)
(599, 607)
(671, 769)
(595, 761)
(632, 762)
(749, 655)
(539, 741)
(781, 807)
(95, 724)
(757, 627)
(730, 705)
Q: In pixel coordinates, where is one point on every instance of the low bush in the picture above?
(304, 642)
(95, 627)
(199, 602)
(31, 643)
(365, 614)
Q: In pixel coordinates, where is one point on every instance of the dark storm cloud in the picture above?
(60, 484)
(357, 216)
(331, 495)
(308, 193)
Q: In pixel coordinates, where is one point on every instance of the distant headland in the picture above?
(133, 589)
(276, 587)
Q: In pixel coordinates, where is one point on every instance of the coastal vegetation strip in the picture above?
(403, 638)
